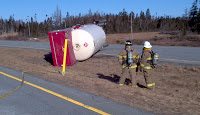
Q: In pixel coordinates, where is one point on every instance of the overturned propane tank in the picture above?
(87, 40)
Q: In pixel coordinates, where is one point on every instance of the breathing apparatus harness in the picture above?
(129, 54)
(130, 60)
(154, 58)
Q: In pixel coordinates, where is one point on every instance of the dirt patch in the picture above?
(12, 36)
(156, 38)
(177, 88)
(120, 38)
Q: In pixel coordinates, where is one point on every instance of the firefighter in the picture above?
(128, 58)
(147, 65)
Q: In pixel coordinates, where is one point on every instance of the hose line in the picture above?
(22, 82)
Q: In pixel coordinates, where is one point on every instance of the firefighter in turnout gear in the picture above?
(147, 65)
(128, 58)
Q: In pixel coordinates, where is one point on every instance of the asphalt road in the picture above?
(40, 97)
(188, 56)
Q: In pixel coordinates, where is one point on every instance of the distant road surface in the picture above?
(189, 56)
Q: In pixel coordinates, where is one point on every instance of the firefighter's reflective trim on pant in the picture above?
(148, 67)
(153, 84)
(120, 59)
(149, 58)
(135, 66)
(149, 85)
(142, 65)
(137, 57)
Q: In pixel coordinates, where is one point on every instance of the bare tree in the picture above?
(57, 17)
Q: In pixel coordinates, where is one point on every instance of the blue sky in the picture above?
(23, 8)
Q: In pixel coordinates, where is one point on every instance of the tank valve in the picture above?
(77, 47)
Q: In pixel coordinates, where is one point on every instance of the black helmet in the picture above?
(128, 42)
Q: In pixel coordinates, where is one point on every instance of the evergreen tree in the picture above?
(115, 23)
(193, 22)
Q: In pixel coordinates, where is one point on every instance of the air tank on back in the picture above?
(87, 40)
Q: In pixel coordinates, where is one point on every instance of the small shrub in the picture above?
(171, 38)
(118, 42)
(192, 38)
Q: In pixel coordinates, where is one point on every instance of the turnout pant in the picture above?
(128, 73)
(148, 75)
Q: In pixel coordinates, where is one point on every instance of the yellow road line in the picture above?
(159, 58)
(58, 95)
(23, 47)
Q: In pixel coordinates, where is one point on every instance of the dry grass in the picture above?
(120, 38)
(156, 38)
(14, 34)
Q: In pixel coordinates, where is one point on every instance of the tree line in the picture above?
(113, 23)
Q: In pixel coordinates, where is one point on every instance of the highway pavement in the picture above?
(179, 55)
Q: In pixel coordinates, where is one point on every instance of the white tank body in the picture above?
(87, 40)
